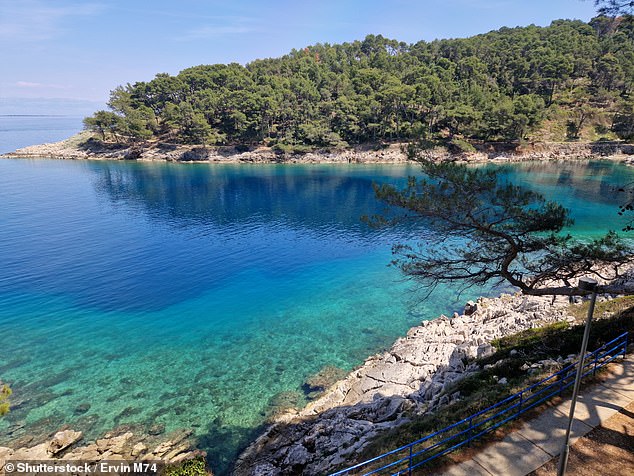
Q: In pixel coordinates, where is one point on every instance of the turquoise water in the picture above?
(194, 295)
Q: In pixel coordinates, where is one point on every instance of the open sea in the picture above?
(18, 131)
(201, 296)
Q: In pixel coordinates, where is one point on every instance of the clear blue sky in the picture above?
(83, 49)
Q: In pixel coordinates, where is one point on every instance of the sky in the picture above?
(82, 50)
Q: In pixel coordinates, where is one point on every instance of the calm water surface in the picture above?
(200, 296)
(21, 131)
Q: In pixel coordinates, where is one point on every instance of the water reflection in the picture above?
(202, 195)
(596, 182)
(147, 236)
(315, 196)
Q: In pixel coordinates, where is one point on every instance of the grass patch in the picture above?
(528, 339)
(603, 308)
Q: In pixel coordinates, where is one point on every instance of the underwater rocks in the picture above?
(411, 378)
(82, 408)
(63, 445)
(322, 380)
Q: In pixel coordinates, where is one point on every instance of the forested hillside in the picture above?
(569, 80)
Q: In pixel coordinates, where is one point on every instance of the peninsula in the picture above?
(513, 92)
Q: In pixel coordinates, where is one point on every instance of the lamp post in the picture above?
(585, 284)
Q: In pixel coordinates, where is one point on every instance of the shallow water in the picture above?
(194, 295)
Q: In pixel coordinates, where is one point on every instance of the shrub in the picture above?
(5, 393)
(191, 467)
(460, 146)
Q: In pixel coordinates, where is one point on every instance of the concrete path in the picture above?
(539, 440)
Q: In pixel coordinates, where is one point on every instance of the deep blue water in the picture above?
(197, 295)
(21, 131)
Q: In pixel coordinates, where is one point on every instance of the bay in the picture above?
(201, 295)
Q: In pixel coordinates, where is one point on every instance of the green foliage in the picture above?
(614, 7)
(486, 230)
(284, 148)
(496, 86)
(610, 321)
(461, 145)
(191, 467)
(105, 123)
(622, 307)
(5, 393)
(623, 124)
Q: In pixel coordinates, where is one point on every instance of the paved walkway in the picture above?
(539, 440)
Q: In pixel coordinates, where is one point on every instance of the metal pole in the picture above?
(585, 284)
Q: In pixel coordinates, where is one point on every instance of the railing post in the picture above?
(561, 383)
(519, 412)
(585, 284)
(596, 358)
(625, 344)
(410, 461)
(470, 432)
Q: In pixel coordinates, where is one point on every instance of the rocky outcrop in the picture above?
(413, 377)
(84, 147)
(62, 440)
(538, 151)
(124, 445)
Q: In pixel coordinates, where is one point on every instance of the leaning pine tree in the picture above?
(486, 231)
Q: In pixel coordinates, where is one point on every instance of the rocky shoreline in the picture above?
(82, 147)
(410, 379)
(124, 445)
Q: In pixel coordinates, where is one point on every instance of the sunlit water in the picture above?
(194, 295)
(21, 131)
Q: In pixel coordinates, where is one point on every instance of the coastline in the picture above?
(118, 445)
(409, 379)
(80, 147)
(414, 377)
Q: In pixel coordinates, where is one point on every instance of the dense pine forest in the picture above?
(567, 81)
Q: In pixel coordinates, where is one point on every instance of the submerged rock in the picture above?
(82, 408)
(283, 402)
(156, 429)
(323, 379)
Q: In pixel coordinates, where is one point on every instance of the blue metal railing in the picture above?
(406, 458)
